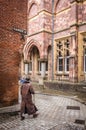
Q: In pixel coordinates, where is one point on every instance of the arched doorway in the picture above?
(31, 65)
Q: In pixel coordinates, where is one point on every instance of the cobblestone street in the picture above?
(55, 113)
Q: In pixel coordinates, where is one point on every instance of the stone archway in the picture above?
(32, 54)
(28, 47)
(34, 57)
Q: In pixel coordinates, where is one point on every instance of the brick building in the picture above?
(55, 43)
(13, 14)
(54, 47)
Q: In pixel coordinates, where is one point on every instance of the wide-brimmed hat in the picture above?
(27, 80)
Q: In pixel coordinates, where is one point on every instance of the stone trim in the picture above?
(63, 10)
(40, 32)
(40, 12)
(62, 30)
(80, 24)
(64, 37)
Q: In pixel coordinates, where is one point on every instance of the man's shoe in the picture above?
(22, 118)
(35, 115)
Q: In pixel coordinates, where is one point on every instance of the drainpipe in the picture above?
(52, 40)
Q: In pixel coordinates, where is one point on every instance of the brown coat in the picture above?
(27, 106)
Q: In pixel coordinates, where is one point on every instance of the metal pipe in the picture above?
(52, 39)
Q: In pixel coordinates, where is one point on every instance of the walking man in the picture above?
(27, 106)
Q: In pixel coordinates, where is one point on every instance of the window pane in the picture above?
(67, 52)
(60, 68)
(67, 64)
(30, 66)
(60, 64)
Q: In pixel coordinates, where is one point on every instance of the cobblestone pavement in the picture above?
(53, 115)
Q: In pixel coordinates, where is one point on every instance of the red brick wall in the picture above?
(12, 14)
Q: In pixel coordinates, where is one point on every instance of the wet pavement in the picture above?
(55, 113)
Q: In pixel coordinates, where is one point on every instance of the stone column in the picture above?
(43, 69)
(73, 68)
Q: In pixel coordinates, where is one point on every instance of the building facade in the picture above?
(53, 49)
(55, 46)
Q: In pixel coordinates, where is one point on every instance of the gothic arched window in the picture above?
(63, 56)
